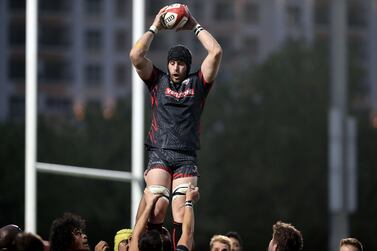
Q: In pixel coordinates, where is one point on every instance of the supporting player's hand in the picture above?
(102, 246)
(157, 19)
(150, 198)
(192, 193)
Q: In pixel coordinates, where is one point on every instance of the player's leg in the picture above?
(185, 171)
(180, 186)
(158, 179)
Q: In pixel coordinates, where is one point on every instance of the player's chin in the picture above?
(176, 79)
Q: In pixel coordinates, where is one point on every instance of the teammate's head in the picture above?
(154, 240)
(122, 239)
(220, 243)
(7, 235)
(67, 233)
(179, 63)
(350, 244)
(285, 237)
(236, 239)
(29, 242)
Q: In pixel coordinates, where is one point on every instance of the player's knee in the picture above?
(161, 204)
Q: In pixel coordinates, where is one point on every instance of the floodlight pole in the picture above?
(341, 132)
(31, 115)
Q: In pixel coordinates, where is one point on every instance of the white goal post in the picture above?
(31, 164)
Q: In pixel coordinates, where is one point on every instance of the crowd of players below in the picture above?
(67, 234)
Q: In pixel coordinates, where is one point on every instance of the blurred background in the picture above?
(265, 144)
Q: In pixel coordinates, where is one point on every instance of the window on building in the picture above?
(59, 103)
(93, 39)
(122, 73)
(52, 35)
(357, 13)
(322, 13)
(250, 13)
(16, 69)
(16, 34)
(17, 106)
(224, 11)
(121, 8)
(121, 40)
(93, 74)
(54, 71)
(17, 5)
(48, 5)
(294, 16)
(94, 7)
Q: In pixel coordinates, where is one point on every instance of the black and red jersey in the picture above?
(176, 110)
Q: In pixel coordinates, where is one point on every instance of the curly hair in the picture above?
(61, 232)
(287, 237)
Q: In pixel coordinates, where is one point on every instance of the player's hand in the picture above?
(157, 19)
(192, 193)
(190, 23)
(102, 246)
(150, 198)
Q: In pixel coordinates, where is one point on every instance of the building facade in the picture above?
(84, 45)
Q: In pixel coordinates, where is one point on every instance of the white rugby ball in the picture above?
(176, 16)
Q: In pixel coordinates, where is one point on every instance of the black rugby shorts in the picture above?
(178, 163)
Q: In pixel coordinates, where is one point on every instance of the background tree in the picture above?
(263, 158)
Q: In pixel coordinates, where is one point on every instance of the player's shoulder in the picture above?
(195, 74)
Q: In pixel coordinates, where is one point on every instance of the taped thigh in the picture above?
(158, 189)
(180, 190)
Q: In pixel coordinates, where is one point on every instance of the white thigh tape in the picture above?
(180, 190)
(158, 189)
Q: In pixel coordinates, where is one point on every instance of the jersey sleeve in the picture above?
(154, 78)
(206, 85)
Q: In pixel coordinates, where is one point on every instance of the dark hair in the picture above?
(153, 240)
(7, 235)
(61, 232)
(28, 242)
(180, 52)
(235, 235)
(287, 237)
(351, 242)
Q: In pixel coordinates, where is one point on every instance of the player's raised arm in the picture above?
(144, 65)
(211, 63)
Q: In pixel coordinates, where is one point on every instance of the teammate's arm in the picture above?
(142, 64)
(187, 237)
(141, 224)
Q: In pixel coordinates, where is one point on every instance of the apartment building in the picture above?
(84, 45)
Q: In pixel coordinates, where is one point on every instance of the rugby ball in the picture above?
(176, 16)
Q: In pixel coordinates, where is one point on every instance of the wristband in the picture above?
(188, 203)
(153, 29)
(198, 28)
